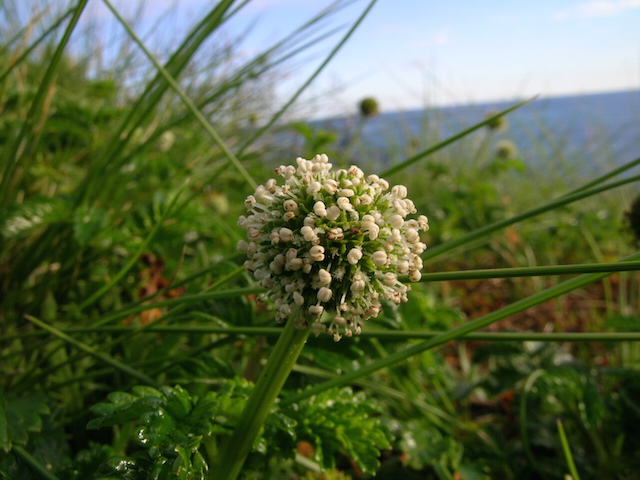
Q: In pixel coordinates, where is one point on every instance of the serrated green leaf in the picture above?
(23, 416)
(173, 425)
(122, 414)
(178, 401)
(340, 421)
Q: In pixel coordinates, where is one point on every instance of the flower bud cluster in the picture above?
(329, 245)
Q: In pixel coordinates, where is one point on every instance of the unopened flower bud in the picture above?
(354, 256)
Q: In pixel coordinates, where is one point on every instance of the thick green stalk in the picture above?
(271, 380)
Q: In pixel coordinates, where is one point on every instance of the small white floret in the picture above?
(324, 294)
(354, 256)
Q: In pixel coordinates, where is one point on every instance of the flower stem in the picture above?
(270, 381)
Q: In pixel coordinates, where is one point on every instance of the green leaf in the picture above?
(20, 417)
(173, 425)
(119, 414)
(338, 421)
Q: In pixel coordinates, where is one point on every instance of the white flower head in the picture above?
(329, 245)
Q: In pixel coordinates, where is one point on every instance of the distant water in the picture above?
(598, 130)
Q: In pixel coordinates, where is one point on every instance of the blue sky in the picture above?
(412, 53)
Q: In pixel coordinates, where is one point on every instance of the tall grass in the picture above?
(125, 306)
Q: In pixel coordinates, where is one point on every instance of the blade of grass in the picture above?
(126, 369)
(24, 142)
(456, 333)
(20, 58)
(33, 463)
(187, 101)
(220, 281)
(308, 82)
(182, 303)
(166, 361)
(530, 271)
(567, 452)
(186, 299)
(124, 270)
(613, 173)
(452, 139)
(485, 231)
(111, 157)
(367, 333)
(259, 65)
(524, 431)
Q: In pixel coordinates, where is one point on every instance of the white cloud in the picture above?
(598, 8)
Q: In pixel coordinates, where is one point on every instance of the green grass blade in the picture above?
(452, 139)
(23, 144)
(20, 58)
(458, 332)
(187, 101)
(393, 335)
(186, 299)
(111, 158)
(574, 196)
(308, 82)
(530, 271)
(30, 460)
(524, 431)
(613, 173)
(567, 452)
(123, 271)
(126, 369)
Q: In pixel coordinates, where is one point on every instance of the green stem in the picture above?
(33, 463)
(379, 334)
(308, 82)
(104, 358)
(524, 431)
(454, 333)
(567, 451)
(543, 270)
(271, 380)
(183, 96)
(452, 139)
(571, 197)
